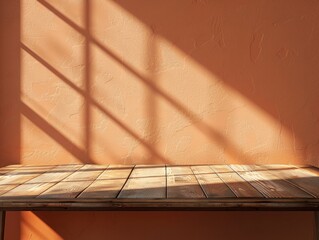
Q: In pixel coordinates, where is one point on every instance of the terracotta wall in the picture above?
(168, 82)
(173, 82)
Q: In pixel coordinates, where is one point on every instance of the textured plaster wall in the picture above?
(169, 82)
(174, 82)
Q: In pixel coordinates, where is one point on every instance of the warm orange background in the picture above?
(168, 81)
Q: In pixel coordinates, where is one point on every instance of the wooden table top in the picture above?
(159, 187)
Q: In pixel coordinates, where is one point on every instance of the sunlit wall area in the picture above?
(157, 82)
(52, 84)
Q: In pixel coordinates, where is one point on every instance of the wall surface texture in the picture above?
(164, 81)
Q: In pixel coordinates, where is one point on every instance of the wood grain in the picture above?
(303, 178)
(9, 168)
(39, 184)
(145, 182)
(156, 187)
(311, 169)
(74, 184)
(109, 183)
(304, 204)
(210, 182)
(236, 183)
(16, 177)
(181, 183)
(269, 185)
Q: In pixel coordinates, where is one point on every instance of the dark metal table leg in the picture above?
(2, 223)
(317, 225)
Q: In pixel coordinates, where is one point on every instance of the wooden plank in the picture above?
(9, 168)
(2, 224)
(275, 166)
(145, 182)
(269, 185)
(16, 177)
(237, 184)
(181, 183)
(97, 186)
(74, 184)
(310, 169)
(109, 183)
(211, 184)
(302, 178)
(309, 204)
(39, 184)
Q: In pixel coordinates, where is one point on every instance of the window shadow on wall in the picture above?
(266, 52)
(276, 76)
(153, 93)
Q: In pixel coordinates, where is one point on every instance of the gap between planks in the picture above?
(180, 181)
(268, 184)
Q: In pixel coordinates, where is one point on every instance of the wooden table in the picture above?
(158, 187)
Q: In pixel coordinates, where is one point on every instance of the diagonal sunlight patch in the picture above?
(94, 103)
(34, 226)
(203, 43)
(197, 115)
(34, 126)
